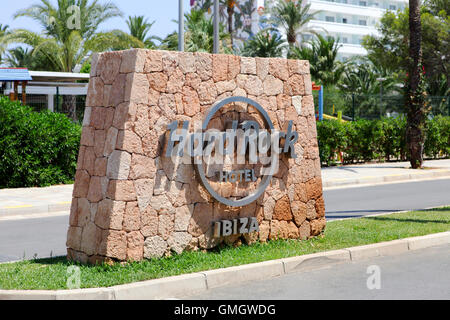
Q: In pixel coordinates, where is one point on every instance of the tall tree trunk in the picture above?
(69, 107)
(415, 100)
(230, 12)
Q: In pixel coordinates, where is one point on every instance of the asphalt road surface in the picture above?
(25, 238)
(361, 201)
(421, 274)
(47, 236)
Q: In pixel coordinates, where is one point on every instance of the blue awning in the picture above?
(14, 74)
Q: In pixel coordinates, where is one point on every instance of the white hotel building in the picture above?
(346, 20)
(350, 20)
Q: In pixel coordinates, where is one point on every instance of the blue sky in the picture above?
(162, 11)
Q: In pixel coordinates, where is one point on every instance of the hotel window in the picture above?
(392, 7)
(344, 20)
(362, 22)
(344, 40)
(329, 19)
(363, 3)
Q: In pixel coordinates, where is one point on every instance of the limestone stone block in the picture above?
(248, 65)
(272, 86)
(178, 241)
(135, 246)
(154, 247)
(220, 67)
(278, 68)
(119, 163)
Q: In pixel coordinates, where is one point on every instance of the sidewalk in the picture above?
(368, 174)
(58, 198)
(26, 201)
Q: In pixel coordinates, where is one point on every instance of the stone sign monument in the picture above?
(184, 151)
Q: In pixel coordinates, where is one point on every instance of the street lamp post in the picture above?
(216, 26)
(180, 26)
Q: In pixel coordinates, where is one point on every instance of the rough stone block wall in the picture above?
(130, 202)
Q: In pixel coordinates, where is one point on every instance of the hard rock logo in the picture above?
(249, 151)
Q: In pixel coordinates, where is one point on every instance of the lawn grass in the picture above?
(51, 274)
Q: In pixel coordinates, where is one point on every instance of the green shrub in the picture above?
(385, 139)
(393, 144)
(36, 148)
(437, 142)
(331, 137)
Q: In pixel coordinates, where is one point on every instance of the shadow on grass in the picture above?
(330, 218)
(406, 220)
(363, 211)
(346, 214)
(440, 209)
(62, 260)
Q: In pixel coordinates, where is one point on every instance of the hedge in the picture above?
(385, 139)
(36, 148)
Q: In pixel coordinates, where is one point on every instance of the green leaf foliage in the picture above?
(264, 45)
(384, 139)
(36, 148)
(390, 50)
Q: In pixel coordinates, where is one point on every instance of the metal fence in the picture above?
(355, 106)
(60, 103)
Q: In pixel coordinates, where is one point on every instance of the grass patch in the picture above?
(51, 274)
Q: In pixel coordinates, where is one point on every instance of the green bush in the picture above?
(385, 139)
(331, 137)
(36, 148)
(438, 137)
(394, 141)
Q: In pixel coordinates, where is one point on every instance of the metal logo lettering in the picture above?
(254, 138)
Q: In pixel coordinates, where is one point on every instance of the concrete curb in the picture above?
(185, 285)
(378, 249)
(30, 210)
(315, 260)
(239, 274)
(161, 288)
(416, 176)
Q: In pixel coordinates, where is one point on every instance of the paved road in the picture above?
(44, 235)
(421, 274)
(27, 237)
(359, 201)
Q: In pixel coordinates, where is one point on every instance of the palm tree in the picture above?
(199, 33)
(322, 55)
(3, 32)
(230, 4)
(21, 57)
(139, 28)
(415, 92)
(3, 29)
(292, 17)
(170, 42)
(361, 79)
(69, 35)
(265, 45)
